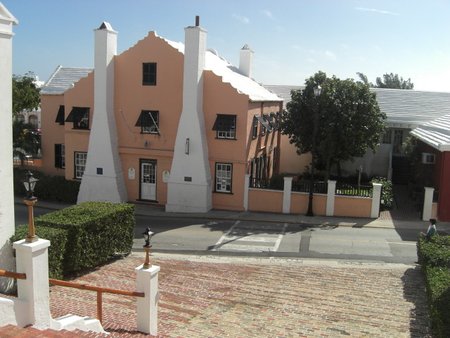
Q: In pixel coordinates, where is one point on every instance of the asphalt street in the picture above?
(278, 239)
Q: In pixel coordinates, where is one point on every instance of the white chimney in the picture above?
(189, 185)
(103, 178)
(245, 61)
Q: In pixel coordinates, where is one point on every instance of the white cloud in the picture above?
(240, 18)
(267, 13)
(374, 10)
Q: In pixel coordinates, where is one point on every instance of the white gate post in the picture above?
(287, 195)
(331, 192)
(427, 203)
(32, 259)
(246, 187)
(376, 199)
(147, 306)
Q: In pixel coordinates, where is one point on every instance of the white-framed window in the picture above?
(225, 126)
(224, 177)
(80, 164)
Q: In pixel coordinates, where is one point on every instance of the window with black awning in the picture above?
(225, 126)
(80, 117)
(148, 121)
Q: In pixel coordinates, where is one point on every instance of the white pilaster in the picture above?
(189, 185)
(32, 259)
(246, 188)
(427, 203)
(7, 21)
(147, 307)
(331, 193)
(103, 177)
(376, 199)
(245, 61)
(287, 189)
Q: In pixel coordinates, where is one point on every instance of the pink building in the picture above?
(162, 122)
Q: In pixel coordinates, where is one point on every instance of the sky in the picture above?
(292, 39)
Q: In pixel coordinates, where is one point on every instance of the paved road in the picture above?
(231, 237)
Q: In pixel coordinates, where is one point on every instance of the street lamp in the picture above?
(317, 92)
(30, 183)
(147, 237)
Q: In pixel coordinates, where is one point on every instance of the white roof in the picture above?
(63, 78)
(230, 74)
(436, 133)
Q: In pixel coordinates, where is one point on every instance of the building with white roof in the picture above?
(176, 123)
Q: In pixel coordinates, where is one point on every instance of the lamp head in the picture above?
(147, 236)
(30, 183)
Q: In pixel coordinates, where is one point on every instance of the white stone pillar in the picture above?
(147, 307)
(246, 187)
(427, 203)
(32, 259)
(7, 20)
(245, 61)
(331, 193)
(287, 195)
(376, 199)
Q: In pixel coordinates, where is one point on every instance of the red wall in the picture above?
(444, 187)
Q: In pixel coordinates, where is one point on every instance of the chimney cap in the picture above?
(106, 25)
(246, 47)
(197, 20)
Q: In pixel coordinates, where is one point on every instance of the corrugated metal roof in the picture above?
(63, 78)
(406, 108)
(435, 133)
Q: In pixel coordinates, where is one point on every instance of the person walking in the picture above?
(431, 231)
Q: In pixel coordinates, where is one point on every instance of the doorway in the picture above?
(147, 177)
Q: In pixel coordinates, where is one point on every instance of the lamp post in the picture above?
(147, 237)
(317, 92)
(30, 200)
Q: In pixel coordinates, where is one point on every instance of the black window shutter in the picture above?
(58, 158)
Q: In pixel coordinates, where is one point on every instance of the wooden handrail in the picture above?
(10, 274)
(98, 289)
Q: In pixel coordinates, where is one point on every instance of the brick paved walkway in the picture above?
(210, 297)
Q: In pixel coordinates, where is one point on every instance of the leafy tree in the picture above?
(26, 140)
(342, 123)
(25, 93)
(388, 81)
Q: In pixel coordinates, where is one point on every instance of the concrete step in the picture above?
(73, 322)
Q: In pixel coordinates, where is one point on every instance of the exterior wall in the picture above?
(265, 200)
(352, 206)
(299, 203)
(444, 187)
(291, 162)
(54, 133)
(81, 95)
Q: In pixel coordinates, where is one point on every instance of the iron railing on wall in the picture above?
(319, 187)
(346, 189)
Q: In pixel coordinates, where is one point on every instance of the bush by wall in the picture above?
(49, 188)
(96, 231)
(58, 239)
(387, 195)
(434, 256)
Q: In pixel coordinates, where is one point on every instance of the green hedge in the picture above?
(58, 239)
(96, 231)
(49, 188)
(387, 194)
(434, 256)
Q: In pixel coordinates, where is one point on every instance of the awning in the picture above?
(76, 114)
(225, 122)
(148, 118)
(60, 115)
(263, 122)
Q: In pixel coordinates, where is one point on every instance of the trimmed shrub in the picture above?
(434, 256)
(96, 232)
(58, 239)
(434, 252)
(387, 195)
(49, 188)
(438, 289)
